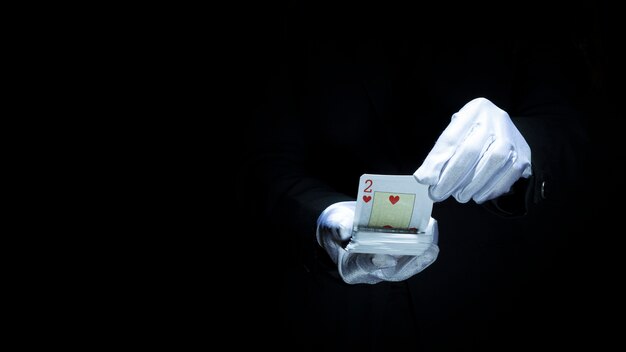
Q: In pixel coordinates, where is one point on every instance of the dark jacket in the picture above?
(349, 102)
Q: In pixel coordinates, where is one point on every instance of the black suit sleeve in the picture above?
(279, 171)
(548, 109)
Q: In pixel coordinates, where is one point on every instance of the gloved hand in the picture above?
(334, 227)
(478, 156)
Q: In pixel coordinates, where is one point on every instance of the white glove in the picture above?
(478, 156)
(334, 228)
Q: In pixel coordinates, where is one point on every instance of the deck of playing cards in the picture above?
(391, 216)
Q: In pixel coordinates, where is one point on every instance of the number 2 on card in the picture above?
(369, 184)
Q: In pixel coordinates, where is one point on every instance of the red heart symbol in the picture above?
(367, 198)
(394, 199)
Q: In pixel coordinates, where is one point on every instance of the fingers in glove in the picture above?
(449, 140)
(384, 261)
(461, 167)
(494, 163)
(410, 265)
(372, 262)
(501, 184)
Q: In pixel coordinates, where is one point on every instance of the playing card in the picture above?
(392, 203)
(392, 216)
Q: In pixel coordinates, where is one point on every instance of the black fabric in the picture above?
(368, 91)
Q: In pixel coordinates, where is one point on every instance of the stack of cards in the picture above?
(391, 217)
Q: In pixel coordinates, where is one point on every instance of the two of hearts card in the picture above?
(391, 217)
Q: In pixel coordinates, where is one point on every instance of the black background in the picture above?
(202, 75)
(260, 40)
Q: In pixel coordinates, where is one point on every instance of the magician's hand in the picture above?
(479, 155)
(334, 228)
